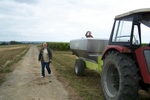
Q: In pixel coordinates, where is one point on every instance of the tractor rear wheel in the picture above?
(119, 78)
(79, 67)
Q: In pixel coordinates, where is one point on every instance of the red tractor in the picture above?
(126, 62)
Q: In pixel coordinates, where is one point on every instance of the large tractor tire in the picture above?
(119, 77)
(79, 67)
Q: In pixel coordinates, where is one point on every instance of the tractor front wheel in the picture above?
(119, 78)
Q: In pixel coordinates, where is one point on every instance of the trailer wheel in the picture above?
(79, 67)
(119, 78)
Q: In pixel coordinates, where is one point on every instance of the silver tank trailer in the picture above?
(88, 48)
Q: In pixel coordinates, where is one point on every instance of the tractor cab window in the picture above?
(145, 28)
(145, 31)
(122, 31)
(136, 38)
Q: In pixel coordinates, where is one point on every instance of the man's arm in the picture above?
(39, 58)
(40, 55)
(50, 53)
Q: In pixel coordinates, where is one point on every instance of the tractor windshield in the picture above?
(131, 30)
(122, 31)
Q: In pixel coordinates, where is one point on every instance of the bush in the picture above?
(63, 46)
(11, 43)
(4, 43)
(145, 44)
(14, 42)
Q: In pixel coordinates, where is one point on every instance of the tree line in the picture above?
(10, 43)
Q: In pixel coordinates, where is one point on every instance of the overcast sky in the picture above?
(61, 20)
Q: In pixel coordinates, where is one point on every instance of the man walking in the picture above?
(45, 57)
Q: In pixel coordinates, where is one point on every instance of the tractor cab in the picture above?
(126, 62)
(126, 37)
(127, 28)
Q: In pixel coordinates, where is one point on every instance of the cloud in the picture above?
(27, 1)
(60, 20)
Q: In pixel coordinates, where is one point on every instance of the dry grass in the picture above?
(87, 86)
(9, 57)
(9, 46)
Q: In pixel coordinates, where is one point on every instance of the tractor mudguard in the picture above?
(120, 49)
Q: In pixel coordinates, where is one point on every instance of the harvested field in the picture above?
(11, 47)
(10, 53)
(9, 56)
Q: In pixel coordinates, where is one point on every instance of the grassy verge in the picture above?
(9, 57)
(87, 86)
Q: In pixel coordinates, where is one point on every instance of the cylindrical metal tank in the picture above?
(88, 48)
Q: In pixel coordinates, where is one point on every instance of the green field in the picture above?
(62, 46)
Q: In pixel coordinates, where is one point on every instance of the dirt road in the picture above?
(25, 83)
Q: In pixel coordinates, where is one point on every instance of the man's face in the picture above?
(89, 33)
(44, 45)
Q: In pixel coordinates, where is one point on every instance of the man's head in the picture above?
(45, 45)
(88, 32)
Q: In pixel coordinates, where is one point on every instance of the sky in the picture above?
(61, 20)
